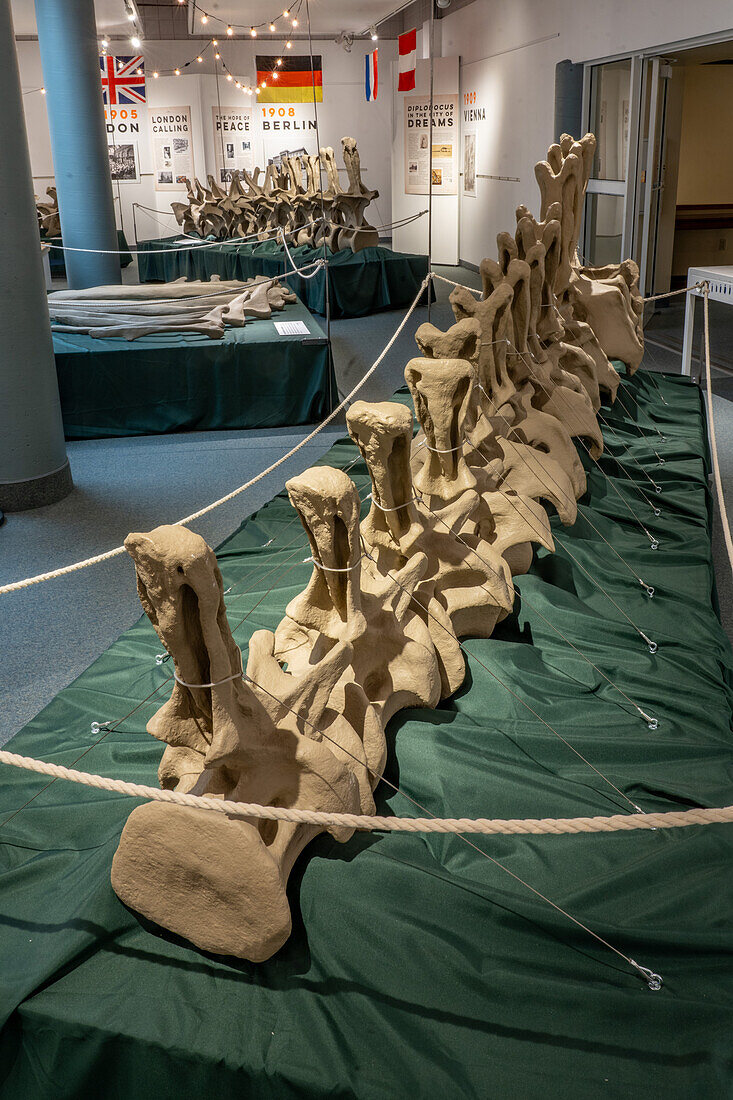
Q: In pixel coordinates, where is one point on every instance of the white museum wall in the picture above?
(343, 112)
(508, 51)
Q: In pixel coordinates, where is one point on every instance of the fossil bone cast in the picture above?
(49, 221)
(289, 198)
(393, 655)
(130, 312)
(454, 512)
(607, 298)
(270, 737)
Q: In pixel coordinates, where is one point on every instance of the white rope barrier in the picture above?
(555, 826)
(16, 586)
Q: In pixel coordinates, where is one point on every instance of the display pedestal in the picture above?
(171, 382)
(416, 967)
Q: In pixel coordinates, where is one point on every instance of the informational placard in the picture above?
(469, 163)
(171, 138)
(233, 146)
(287, 129)
(124, 125)
(124, 165)
(445, 150)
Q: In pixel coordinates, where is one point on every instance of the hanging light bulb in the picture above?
(139, 72)
(135, 41)
(199, 59)
(273, 28)
(286, 14)
(43, 91)
(275, 75)
(204, 18)
(156, 75)
(253, 31)
(105, 42)
(237, 84)
(214, 41)
(177, 72)
(257, 91)
(217, 55)
(229, 76)
(279, 61)
(373, 34)
(131, 16)
(288, 45)
(230, 31)
(295, 22)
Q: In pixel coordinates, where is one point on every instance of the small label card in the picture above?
(292, 328)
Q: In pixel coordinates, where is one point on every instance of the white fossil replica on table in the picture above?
(288, 198)
(456, 510)
(197, 307)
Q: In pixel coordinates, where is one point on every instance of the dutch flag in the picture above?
(371, 77)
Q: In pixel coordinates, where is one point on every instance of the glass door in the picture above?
(610, 92)
(651, 165)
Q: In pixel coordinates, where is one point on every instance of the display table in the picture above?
(416, 968)
(251, 378)
(359, 284)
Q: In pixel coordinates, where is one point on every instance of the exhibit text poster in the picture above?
(469, 163)
(171, 137)
(124, 166)
(417, 145)
(233, 148)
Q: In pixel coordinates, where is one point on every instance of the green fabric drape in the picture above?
(250, 378)
(416, 968)
(360, 283)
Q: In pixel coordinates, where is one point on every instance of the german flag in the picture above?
(292, 82)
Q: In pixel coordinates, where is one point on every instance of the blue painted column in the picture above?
(33, 466)
(568, 99)
(67, 37)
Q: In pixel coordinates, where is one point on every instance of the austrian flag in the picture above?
(371, 77)
(408, 54)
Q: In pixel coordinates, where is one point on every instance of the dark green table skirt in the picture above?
(416, 968)
(359, 283)
(251, 378)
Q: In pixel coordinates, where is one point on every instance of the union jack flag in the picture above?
(121, 81)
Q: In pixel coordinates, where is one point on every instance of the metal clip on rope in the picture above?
(98, 726)
(648, 588)
(653, 647)
(161, 658)
(653, 723)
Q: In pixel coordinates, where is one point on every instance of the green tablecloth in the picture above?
(56, 255)
(251, 378)
(360, 283)
(416, 968)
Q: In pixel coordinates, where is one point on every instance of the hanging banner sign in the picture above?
(445, 148)
(124, 125)
(171, 138)
(289, 129)
(232, 142)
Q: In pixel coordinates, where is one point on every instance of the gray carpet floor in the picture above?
(52, 631)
